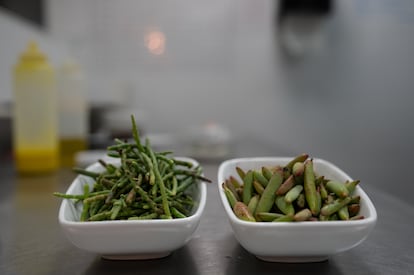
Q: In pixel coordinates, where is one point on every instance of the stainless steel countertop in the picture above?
(32, 241)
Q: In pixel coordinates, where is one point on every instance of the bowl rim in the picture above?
(371, 218)
(114, 223)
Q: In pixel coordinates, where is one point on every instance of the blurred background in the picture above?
(225, 78)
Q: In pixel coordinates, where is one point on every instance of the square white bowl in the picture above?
(297, 241)
(129, 239)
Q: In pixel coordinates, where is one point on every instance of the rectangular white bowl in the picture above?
(129, 239)
(297, 241)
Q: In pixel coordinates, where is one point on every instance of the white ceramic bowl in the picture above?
(297, 241)
(129, 239)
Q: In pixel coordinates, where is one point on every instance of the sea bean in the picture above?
(338, 188)
(303, 215)
(242, 212)
(230, 196)
(331, 208)
(293, 193)
(253, 204)
(286, 186)
(232, 188)
(268, 216)
(351, 185)
(144, 180)
(310, 188)
(247, 186)
(240, 172)
(284, 218)
(258, 176)
(258, 187)
(268, 197)
(298, 194)
(267, 173)
(283, 206)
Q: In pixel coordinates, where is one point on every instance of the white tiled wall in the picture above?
(220, 61)
(201, 56)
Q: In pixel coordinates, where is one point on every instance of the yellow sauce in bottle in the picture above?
(30, 160)
(68, 149)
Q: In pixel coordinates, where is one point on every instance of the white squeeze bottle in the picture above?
(35, 129)
(73, 112)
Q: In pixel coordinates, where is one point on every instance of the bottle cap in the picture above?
(32, 53)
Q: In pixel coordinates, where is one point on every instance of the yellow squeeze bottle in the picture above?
(73, 112)
(35, 113)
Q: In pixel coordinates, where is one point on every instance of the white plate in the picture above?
(129, 239)
(297, 241)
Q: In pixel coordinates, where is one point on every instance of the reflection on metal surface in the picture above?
(35, 189)
(155, 42)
